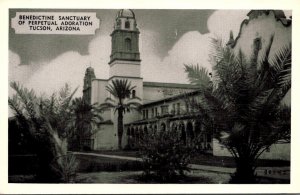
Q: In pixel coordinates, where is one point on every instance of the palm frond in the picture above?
(110, 100)
(107, 106)
(198, 76)
(281, 64)
(120, 88)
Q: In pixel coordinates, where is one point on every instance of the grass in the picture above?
(95, 164)
(110, 170)
(136, 177)
(206, 159)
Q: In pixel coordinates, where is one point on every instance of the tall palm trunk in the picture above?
(120, 127)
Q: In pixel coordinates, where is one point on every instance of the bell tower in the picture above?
(87, 84)
(125, 56)
(125, 63)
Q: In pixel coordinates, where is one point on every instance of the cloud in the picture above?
(17, 72)
(222, 21)
(69, 67)
(99, 55)
(192, 48)
(66, 68)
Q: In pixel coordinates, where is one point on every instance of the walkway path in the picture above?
(271, 172)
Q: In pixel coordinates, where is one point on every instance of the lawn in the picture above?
(95, 169)
(96, 164)
(206, 159)
(134, 177)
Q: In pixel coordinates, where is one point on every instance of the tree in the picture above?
(243, 103)
(47, 121)
(86, 119)
(121, 90)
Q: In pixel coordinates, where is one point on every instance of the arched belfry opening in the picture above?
(127, 25)
(128, 44)
(133, 94)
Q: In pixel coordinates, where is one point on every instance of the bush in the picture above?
(47, 123)
(67, 169)
(165, 157)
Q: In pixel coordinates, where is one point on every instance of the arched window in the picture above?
(189, 130)
(182, 132)
(257, 44)
(197, 128)
(128, 44)
(145, 130)
(127, 24)
(133, 93)
(128, 131)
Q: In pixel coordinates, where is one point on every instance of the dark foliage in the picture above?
(242, 103)
(46, 122)
(86, 119)
(165, 156)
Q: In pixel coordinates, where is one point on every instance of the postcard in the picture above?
(106, 97)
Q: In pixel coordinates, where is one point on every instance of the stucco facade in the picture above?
(163, 104)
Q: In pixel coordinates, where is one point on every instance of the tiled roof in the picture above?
(168, 99)
(169, 85)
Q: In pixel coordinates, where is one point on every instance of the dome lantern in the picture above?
(125, 20)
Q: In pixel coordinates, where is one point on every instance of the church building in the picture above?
(164, 105)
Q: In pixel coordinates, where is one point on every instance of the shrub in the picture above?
(47, 122)
(68, 167)
(165, 157)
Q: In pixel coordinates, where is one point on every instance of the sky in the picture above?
(168, 40)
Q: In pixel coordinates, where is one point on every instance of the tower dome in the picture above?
(125, 13)
(125, 20)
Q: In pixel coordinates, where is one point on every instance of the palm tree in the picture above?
(86, 119)
(243, 103)
(121, 90)
(48, 122)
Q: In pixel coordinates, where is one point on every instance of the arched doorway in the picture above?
(132, 142)
(182, 133)
(145, 130)
(128, 132)
(162, 127)
(150, 129)
(155, 128)
(128, 137)
(197, 128)
(198, 135)
(174, 127)
(137, 135)
(189, 130)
